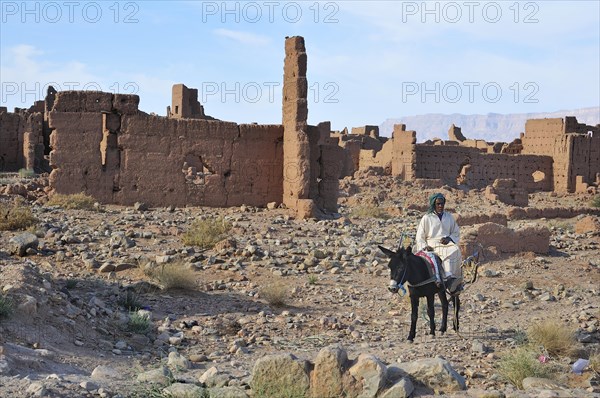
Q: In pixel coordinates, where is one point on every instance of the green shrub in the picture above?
(520, 363)
(175, 276)
(6, 306)
(26, 173)
(521, 337)
(138, 323)
(595, 201)
(312, 279)
(78, 201)
(15, 216)
(206, 233)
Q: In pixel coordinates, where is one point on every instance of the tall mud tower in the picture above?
(296, 150)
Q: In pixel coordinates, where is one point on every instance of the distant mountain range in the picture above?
(490, 127)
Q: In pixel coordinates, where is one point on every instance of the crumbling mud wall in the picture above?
(477, 170)
(365, 149)
(585, 160)
(382, 159)
(473, 163)
(404, 156)
(22, 139)
(104, 146)
(574, 147)
(12, 128)
(507, 192)
(553, 154)
(185, 104)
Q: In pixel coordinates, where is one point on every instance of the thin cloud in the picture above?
(243, 37)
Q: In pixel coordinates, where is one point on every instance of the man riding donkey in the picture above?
(438, 235)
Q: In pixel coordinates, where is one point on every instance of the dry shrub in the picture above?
(15, 216)
(275, 293)
(78, 201)
(520, 363)
(556, 338)
(369, 212)
(175, 276)
(595, 362)
(206, 233)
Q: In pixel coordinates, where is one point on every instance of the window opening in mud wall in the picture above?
(195, 169)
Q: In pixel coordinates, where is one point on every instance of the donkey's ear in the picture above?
(387, 252)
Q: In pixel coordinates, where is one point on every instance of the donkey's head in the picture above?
(398, 266)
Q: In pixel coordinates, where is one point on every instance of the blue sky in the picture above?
(367, 61)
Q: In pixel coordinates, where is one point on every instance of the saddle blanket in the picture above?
(431, 261)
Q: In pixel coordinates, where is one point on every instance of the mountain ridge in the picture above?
(491, 127)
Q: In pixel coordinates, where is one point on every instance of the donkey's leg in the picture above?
(414, 308)
(456, 303)
(444, 301)
(431, 314)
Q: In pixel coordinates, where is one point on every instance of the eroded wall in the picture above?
(22, 139)
(103, 146)
(541, 135)
(404, 152)
(478, 169)
(585, 157)
(185, 104)
(12, 128)
(574, 147)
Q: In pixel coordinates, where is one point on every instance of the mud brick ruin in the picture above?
(552, 155)
(103, 145)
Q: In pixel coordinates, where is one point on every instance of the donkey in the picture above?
(406, 267)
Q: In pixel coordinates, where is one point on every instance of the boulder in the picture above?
(280, 374)
(19, 244)
(161, 375)
(403, 388)
(370, 372)
(530, 383)
(435, 373)
(213, 378)
(327, 376)
(183, 390)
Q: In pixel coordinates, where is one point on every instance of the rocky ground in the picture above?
(69, 335)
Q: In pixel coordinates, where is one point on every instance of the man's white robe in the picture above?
(429, 233)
